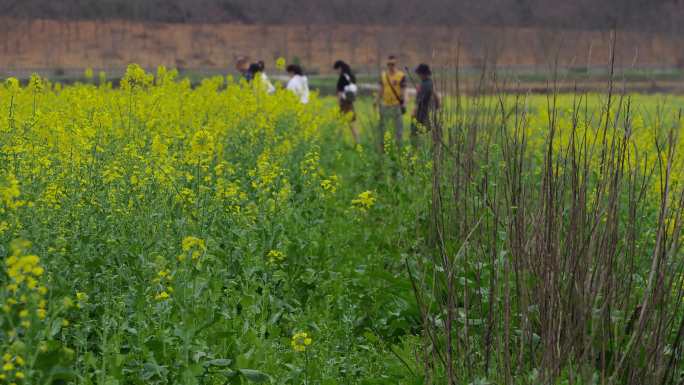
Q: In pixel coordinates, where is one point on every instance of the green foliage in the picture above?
(192, 235)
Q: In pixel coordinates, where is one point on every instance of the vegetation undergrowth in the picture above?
(158, 233)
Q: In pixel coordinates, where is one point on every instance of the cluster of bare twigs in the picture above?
(553, 266)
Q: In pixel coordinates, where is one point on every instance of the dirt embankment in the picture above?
(110, 45)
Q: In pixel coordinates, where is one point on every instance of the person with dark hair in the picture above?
(259, 78)
(294, 69)
(426, 102)
(298, 83)
(253, 69)
(346, 94)
(391, 101)
(242, 67)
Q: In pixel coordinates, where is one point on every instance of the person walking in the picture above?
(346, 94)
(242, 67)
(391, 101)
(298, 83)
(270, 89)
(426, 104)
(259, 78)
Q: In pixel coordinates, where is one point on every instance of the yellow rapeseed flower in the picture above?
(202, 143)
(300, 341)
(4, 226)
(36, 83)
(364, 201)
(280, 63)
(12, 83)
(275, 256)
(190, 243)
(193, 245)
(136, 78)
(81, 299)
(330, 185)
(31, 282)
(19, 246)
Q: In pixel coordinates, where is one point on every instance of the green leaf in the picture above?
(151, 369)
(188, 377)
(156, 347)
(47, 360)
(222, 362)
(55, 327)
(59, 373)
(255, 376)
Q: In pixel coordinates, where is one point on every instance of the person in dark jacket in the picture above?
(346, 94)
(426, 102)
(242, 68)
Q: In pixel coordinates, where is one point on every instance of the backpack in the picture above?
(350, 90)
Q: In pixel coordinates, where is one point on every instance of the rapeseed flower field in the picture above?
(153, 232)
(159, 233)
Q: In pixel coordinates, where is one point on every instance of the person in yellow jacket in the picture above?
(391, 101)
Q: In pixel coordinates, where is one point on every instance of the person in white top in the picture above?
(259, 77)
(298, 83)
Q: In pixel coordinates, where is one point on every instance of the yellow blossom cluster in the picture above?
(136, 78)
(12, 83)
(364, 201)
(84, 166)
(12, 368)
(266, 173)
(202, 144)
(280, 63)
(275, 257)
(193, 247)
(310, 164)
(9, 193)
(23, 269)
(81, 299)
(300, 341)
(26, 298)
(330, 184)
(163, 280)
(36, 83)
